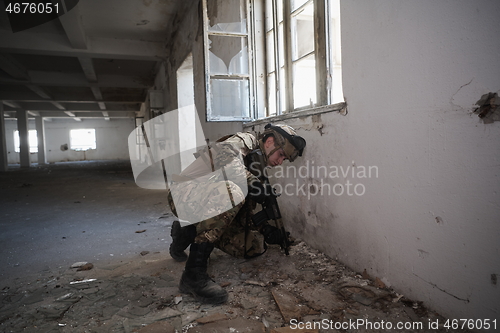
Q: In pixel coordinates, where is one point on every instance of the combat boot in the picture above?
(182, 237)
(195, 279)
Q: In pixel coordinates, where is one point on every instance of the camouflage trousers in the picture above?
(229, 228)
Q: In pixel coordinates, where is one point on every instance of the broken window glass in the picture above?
(228, 55)
(228, 65)
(227, 16)
(230, 98)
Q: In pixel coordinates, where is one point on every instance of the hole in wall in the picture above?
(488, 108)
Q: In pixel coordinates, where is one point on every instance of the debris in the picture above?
(83, 281)
(140, 231)
(256, 283)
(365, 275)
(177, 299)
(86, 267)
(225, 284)
(411, 313)
(379, 284)
(359, 294)
(64, 297)
(265, 322)
(157, 327)
(239, 325)
(397, 298)
(212, 318)
(288, 304)
(143, 253)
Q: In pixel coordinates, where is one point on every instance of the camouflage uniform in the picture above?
(225, 224)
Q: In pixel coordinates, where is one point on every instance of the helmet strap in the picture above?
(273, 151)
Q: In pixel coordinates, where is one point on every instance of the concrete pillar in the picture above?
(22, 127)
(40, 133)
(4, 165)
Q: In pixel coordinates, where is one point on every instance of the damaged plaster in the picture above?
(488, 108)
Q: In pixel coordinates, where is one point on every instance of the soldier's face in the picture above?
(277, 157)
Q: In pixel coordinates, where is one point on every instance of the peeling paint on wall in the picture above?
(488, 110)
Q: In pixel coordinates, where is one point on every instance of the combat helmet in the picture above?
(286, 138)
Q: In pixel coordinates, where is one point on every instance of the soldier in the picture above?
(202, 192)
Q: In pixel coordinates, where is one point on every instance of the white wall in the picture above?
(111, 139)
(429, 224)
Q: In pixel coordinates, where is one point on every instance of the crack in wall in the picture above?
(444, 291)
(458, 90)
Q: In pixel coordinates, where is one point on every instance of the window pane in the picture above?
(335, 57)
(279, 5)
(304, 82)
(281, 43)
(297, 3)
(227, 15)
(269, 15)
(230, 98)
(271, 93)
(270, 58)
(302, 26)
(82, 139)
(228, 55)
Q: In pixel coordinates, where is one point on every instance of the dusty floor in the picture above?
(57, 215)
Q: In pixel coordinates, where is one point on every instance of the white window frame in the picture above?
(326, 53)
(256, 93)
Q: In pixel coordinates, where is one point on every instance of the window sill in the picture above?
(339, 107)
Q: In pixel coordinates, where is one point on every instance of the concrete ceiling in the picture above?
(97, 60)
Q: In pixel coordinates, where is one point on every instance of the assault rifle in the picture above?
(270, 209)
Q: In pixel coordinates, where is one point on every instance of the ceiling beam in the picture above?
(39, 91)
(12, 104)
(72, 116)
(12, 67)
(27, 97)
(72, 25)
(88, 68)
(28, 42)
(43, 93)
(72, 111)
(41, 78)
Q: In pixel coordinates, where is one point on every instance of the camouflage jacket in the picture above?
(228, 155)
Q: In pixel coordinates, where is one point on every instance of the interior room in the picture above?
(393, 205)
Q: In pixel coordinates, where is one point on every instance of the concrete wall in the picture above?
(426, 220)
(111, 137)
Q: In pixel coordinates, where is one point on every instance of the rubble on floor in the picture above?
(303, 292)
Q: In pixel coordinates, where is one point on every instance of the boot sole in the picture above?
(213, 300)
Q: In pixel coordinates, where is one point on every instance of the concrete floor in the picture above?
(52, 216)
